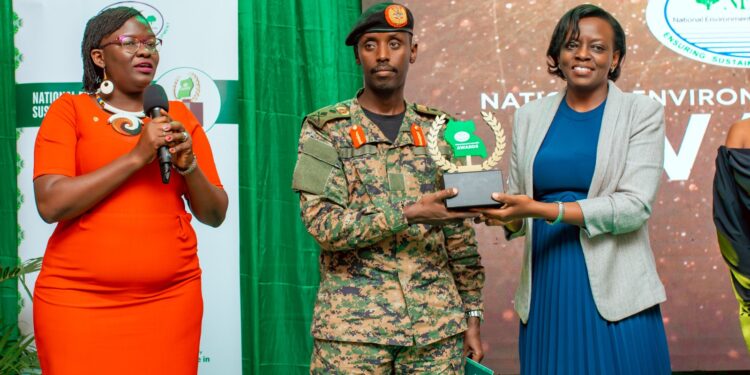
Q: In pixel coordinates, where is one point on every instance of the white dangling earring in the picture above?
(106, 87)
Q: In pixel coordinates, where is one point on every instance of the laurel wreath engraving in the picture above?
(432, 146)
(497, 154)
(446, 165)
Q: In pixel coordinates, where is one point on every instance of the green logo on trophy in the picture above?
(475, 182)
(460, 136)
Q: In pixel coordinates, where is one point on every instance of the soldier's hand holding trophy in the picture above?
(475, 182)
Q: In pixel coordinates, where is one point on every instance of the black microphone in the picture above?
(154, 100)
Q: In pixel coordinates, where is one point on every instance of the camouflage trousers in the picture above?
(337, 357)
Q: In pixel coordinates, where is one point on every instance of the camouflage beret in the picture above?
(382, 18)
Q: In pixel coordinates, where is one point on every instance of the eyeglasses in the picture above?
(131, 44)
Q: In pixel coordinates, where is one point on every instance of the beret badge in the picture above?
(396, 15)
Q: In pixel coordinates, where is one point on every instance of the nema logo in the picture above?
(738, 4)
(197, 90)
(187, 88)
(462, 136)
(709, 31)
(153, 15)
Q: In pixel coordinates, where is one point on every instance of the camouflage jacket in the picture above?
(382, 280)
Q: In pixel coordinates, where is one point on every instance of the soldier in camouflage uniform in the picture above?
(401, 279)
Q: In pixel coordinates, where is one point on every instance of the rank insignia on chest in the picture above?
(358, 136)
(417, 136)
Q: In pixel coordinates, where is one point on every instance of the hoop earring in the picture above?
(106, 87)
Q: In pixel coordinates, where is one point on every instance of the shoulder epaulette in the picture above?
(425, 110)
(332, 112)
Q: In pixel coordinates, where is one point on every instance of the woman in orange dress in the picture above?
(120, 286)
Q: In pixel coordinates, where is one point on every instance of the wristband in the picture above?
(560, 213)
(189, 169)
(476, 314)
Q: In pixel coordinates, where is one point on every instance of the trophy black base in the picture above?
(474, 189)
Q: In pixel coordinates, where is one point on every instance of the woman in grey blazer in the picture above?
(588, 161)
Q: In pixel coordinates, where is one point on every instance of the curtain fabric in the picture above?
(292, 61)
(8, 169)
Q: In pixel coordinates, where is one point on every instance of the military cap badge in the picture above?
(396, 15)
(381, 18)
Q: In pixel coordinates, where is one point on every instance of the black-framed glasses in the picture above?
(131, 44)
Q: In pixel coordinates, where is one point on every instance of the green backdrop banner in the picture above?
(35, 98)
(8, 189)
(292, 61)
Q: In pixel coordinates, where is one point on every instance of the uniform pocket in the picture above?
(421, 172)
(366, 174)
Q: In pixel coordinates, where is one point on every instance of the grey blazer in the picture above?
(629, 163)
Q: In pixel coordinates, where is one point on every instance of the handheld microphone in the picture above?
(154, 100)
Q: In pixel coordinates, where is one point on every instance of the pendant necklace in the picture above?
(122, 121)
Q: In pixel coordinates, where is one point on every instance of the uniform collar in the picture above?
(372, 131)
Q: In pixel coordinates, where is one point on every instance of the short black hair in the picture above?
(568, 25)
(99, 26)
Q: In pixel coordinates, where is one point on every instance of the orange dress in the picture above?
(120, 286)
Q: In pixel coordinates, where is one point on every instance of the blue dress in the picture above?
(565, 333)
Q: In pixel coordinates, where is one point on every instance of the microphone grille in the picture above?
(154, 97)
